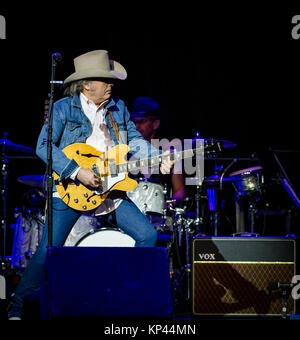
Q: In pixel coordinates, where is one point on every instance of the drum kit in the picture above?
(6, 147)
(176, 224)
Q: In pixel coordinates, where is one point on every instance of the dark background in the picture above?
(228, 72)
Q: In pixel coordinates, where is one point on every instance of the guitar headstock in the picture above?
(213, 147)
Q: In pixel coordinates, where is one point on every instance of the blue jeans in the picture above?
(127, 217)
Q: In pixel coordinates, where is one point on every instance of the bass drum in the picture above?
(106, 237)
(84, 225)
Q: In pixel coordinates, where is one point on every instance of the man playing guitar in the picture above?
(90, 133)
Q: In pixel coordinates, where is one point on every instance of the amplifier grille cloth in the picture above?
(239, 288)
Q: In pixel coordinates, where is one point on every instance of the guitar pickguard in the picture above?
(108, 182)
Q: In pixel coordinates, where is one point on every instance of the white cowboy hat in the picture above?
(96, 64)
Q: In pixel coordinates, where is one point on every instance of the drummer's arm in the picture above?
(178, 187)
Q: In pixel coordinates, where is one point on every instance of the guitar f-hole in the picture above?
(93, 201)
(68, 196)
(89, 155)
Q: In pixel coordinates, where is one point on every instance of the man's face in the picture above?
(146, 126)
(99, 90)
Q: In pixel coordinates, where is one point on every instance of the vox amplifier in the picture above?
(231, 275)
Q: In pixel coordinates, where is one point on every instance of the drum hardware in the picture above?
(28, 234)
(213, 196)
(214, 185)
(226, 169)
(37, 181)
(252, 216)
(6, 146)
(248, 181)
(181, 241)
(248, 186)
(215, 179)
(29, 226)
(4, 173)
(284, 178)
(199, 195)
(198, 198)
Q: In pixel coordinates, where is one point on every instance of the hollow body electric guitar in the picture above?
(111, 167)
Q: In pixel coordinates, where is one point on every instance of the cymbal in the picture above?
(36, 181)
(211, 179)
(181, 144)
(244, 171)
(10, 146)
(225, 143)
(217, 178)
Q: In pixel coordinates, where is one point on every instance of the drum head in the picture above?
(106, 238)
(149, 197)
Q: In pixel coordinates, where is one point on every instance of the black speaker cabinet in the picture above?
(231, 275)
(105, 282)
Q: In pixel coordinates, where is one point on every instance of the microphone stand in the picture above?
(55, 58)
(3, 195)
(285, 288)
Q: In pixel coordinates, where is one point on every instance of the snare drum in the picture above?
(106, 237)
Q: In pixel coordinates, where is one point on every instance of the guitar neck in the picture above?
(156, 160)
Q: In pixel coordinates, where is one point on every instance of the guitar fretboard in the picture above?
(156, 160)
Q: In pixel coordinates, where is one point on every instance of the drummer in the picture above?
(146, 115)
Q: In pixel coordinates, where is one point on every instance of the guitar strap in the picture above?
(114, 125)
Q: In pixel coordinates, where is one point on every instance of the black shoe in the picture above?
(13, 313)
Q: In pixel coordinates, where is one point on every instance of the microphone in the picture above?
(274, 285)
(57, 57)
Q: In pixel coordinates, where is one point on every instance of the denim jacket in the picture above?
(71, 125)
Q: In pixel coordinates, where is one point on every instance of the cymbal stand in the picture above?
(198, 221)
(213, 205)
(246, 209)
(199, 157)
(4, 173)
(200, 197)
(252, 213)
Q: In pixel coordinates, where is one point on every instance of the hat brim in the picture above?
(117, 72)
